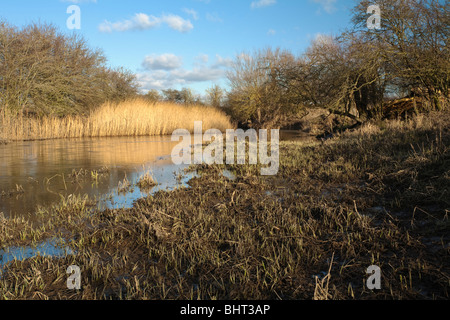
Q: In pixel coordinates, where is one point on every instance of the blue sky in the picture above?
(187, 43)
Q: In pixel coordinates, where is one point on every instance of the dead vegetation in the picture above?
(133, 117)
(146, 182)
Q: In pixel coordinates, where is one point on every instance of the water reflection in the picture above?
(36, 173)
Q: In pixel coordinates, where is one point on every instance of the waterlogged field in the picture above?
(377, 196)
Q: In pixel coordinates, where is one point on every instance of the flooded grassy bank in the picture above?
(374, 196)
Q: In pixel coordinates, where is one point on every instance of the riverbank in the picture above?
(375, 196)
(135, 117)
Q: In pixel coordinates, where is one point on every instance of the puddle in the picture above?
(166, 180)
(49, 248)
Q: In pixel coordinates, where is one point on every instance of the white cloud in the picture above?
(167, 61)
(178, 23)
(202, 58)
(222, 62)
(327, 5)
(201, 74)
(161, 79)
(262, 3)
(271, 32)
(192, 13)
(154, 80)
(142, 21)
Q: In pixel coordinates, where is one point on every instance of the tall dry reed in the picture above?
(135, 117)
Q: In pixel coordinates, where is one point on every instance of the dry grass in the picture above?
(420, 122)
(135, 117)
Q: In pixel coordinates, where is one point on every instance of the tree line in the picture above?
(215, 96)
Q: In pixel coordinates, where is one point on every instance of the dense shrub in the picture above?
(46, 72)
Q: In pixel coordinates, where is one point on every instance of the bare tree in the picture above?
(48, 72)
(215, 96)
(351, 74)
(260, 94)
(413, 42)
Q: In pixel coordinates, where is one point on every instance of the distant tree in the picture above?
(172, 95)
(187, 96)
(120, 83)
(183, 96)
(153, 95)
(351, 74)
(215, 96)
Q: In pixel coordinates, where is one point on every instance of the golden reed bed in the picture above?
(135, 117)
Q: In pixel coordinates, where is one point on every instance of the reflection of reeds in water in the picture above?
(135, 117)
(85, 155)
(13, 192)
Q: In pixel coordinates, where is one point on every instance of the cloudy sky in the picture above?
(186, 43)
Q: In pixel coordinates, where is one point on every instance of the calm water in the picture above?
(40, 170)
